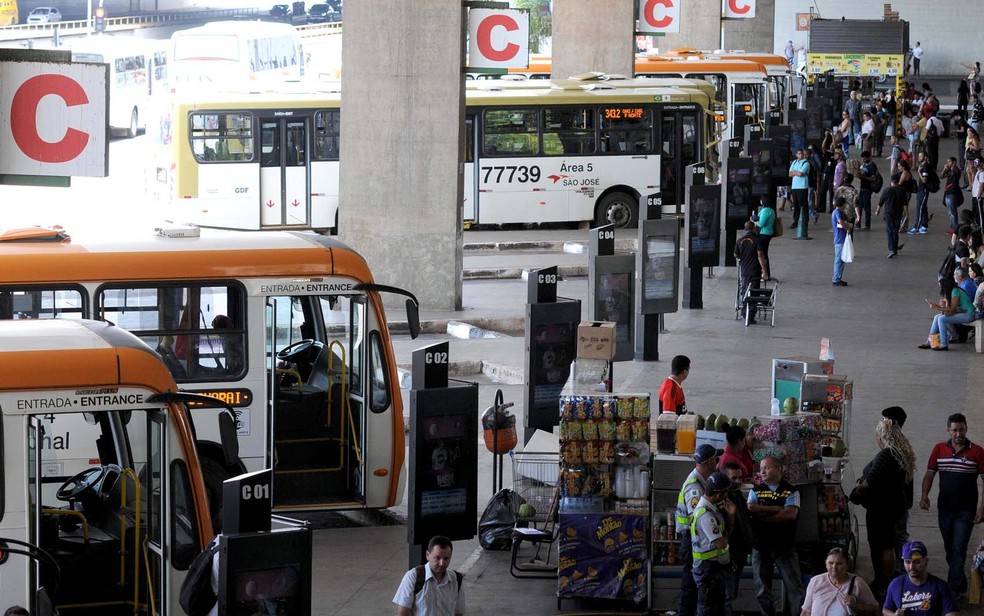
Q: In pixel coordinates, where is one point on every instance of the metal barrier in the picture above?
(132, 22)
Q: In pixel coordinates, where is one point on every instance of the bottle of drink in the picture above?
(775, 407)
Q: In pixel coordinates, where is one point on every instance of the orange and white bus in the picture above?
(783, 80)
(558, 152)
(741, 85)
(121, 524)
(287, 328)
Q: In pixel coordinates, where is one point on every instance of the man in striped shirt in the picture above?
(959, 463)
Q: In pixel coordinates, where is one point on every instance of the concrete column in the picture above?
(402, 136)
(589, 35)
(700, 28)
(754, 34)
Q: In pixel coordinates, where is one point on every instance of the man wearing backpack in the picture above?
(934, 130)
(432, 589)
(893, 200)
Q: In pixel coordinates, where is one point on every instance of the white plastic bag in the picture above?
(847, 253)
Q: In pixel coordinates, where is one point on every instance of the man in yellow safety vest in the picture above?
(712, 524)
(705, 461)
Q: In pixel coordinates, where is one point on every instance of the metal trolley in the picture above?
(536, 479)
(761, 302)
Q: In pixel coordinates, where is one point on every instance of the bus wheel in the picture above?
(617, 209)
(132, 131)
(213, 474)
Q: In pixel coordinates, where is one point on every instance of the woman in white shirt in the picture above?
(837, 592)
(867, 132)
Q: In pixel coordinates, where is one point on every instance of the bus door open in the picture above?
(470, 187)
(284, 181)
(681, 145)
(747, 106)
(316, 353)
(105, 519)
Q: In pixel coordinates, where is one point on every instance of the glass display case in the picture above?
(605, 486)
(830, 397)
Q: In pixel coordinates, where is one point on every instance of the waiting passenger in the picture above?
(232, 344)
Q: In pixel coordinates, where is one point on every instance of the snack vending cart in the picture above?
(603, 524)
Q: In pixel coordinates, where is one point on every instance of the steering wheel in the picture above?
(80, 483)
(294, 351)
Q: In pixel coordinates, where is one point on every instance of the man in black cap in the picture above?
(705, 461)
(712, 524)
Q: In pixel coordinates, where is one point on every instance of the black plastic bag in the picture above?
(496, 525)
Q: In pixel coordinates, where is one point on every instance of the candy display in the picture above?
(604, 487)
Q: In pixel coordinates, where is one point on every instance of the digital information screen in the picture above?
(660, 268)
(552, 353)
(444, 490)
(614, 303)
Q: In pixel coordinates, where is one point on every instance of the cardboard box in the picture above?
(596, 340)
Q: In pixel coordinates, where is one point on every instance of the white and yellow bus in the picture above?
(288, 328)
(564, 152)
(224, 53)
(121, 524)
(138, 71)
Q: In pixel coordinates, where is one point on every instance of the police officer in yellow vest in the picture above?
(705, 461)
(712, 524)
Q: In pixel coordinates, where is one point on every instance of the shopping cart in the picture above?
(761, 302)
(535, 479)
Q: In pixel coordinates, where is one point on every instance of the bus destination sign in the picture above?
(236, 398)
(623, 113)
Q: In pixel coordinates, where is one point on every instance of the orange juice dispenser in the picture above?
(686, 434)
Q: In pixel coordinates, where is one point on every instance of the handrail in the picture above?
(150, 581)
(295, 374)
(130, 473)
(74, 514)
(346, 407)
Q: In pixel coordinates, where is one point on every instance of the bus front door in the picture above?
(680, 139)
(284, 181)
(316, 360)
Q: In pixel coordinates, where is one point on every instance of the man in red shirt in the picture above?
(959, 463)
(671, 398)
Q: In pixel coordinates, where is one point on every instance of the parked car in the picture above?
(280, 12)
(321, 13)
(44, 15)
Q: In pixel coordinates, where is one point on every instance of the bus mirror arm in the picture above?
(413, 306)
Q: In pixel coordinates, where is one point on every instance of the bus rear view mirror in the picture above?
(413, 318)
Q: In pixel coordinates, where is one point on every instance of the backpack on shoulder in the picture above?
(932, 133)
(878, 183)
(197, 597)
(932, 182)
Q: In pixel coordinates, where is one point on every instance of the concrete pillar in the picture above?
(754, 34)
(589, 35)
(402, 135)
(700, 28)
